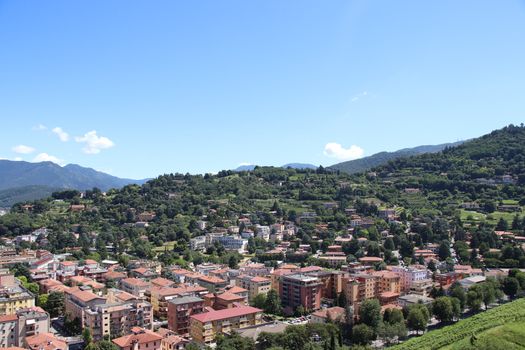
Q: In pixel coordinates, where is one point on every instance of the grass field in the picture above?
(502, 327)
(491, 218)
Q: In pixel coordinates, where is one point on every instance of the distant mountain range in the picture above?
(250, 167)
(22, 181)
(381, 158)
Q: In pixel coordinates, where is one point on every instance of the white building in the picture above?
(263, 232)
(410, 275)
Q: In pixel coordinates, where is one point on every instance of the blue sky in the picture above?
(141, 88)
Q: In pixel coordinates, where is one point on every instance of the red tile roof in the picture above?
(8, 318)
(217, 315)
(139, 335)
(135, 282)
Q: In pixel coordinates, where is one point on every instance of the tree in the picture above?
(510, 286)
(362, 334)
(273, 303)
(233, 262)
(259, 301)
(55, 304)
(444, 250)
(459, 293)
(418, 317)
(389, 244)
(370, 313)
(443, 309)
(391, 331)
(474, 300)
(393, 316)
(235, 342)
(502, 225)
(42, 300)
(488, 293)
(108, 345)
(86, 335)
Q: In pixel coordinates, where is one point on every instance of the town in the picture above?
(335, 273)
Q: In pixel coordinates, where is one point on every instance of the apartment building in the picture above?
(300, 290)
(179, 312)
(16, 328)
(254, 285)
(204, 327)
(113, 319)
(12, 295)
(134, 286)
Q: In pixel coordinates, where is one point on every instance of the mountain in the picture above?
(25, 181)
(367, 163)
(247, 167)
(300, 166)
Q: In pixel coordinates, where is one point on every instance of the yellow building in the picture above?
(12, 295)
(206, 326)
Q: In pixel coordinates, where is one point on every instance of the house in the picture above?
(412, 299)
(331, 314)
(468, 282)
(139, 339)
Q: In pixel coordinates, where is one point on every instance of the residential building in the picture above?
(8, 331)
(46, 341)
(179, 311)
(409, 275)
(113, 319)
(134, 286)
(13, 296)
(211, 283)
(139, 339)
(300, 290)
(205, 327)
(255, 285)
(331, 314)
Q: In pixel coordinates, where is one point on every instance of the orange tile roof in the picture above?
(46, 341)
(237, 290)
(85, 296)
(228, 296)
(162, 282)
(138, 335)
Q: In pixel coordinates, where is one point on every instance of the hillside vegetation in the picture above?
(477, 332)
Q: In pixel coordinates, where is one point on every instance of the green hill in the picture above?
(381, 158)
(500, 328)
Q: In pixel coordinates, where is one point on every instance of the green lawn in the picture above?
(492, 218)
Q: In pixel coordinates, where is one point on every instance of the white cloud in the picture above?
(335, 150)
(62, 135)
(17, 159)
(40, 127)
(23, 149)
(360, 95)
(94, 143)
(44, 157)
